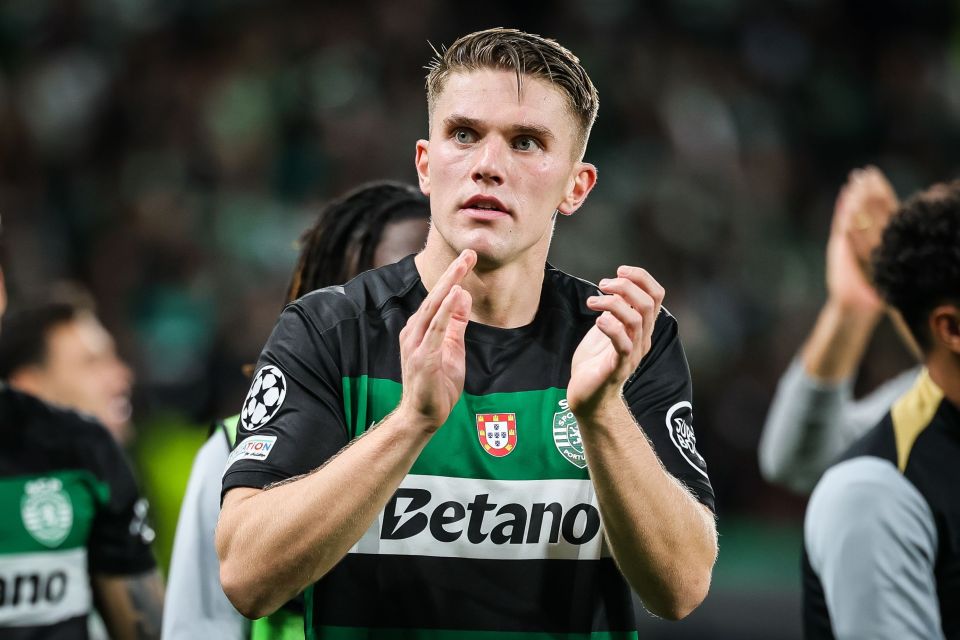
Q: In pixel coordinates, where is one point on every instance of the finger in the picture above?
(616, 332)
(454, 275)
(615, 304)
(643, 279)
(647, 301)
(459, 315)
(433, 338)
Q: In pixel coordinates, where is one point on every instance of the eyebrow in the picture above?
(454, 121)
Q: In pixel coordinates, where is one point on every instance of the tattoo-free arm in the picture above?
(131, 606)
(663, 539)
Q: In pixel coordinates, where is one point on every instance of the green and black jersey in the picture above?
(70, 509)
(496, 530)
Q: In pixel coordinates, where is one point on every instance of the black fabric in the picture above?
(39, 438)
(72, 629)
(431, 593)
(353, 330)
(933, 467)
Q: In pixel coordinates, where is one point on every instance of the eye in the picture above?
(526, 143)
(464, 136)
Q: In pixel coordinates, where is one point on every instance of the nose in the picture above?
(488, 168)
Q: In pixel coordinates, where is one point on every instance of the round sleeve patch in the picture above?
(264, 399)
(680, 426)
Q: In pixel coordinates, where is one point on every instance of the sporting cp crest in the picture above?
(566, 435)
(46, 511)
(497, 432)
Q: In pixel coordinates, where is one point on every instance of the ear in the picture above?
(579, 188)
(945, 326)
(422, 161)
(29, 380)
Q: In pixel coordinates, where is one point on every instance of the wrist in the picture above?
(601, 408)
(411, 419)
(851, 315)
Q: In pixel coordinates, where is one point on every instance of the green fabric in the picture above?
(344, 633)
(230, 429)
(369, 400)
(281, 625)
(61, 504)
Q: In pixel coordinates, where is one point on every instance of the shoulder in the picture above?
(52, 425)
(568, 294)
(865, 503)
(371, 293)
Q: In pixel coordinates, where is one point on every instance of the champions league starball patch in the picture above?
(264, 399)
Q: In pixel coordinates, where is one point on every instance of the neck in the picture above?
(944, 368)
(504, 295)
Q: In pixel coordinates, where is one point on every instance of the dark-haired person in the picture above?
(57, 350)
(372, 226)
(73, 533)
(471, 443)
(882, 530)
(814, 416)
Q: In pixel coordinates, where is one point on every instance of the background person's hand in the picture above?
(619, 339)
(862, 210)
(432, 350)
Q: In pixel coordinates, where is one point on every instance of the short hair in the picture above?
(344, 238)
(917, 265)
(524, 54)
(23, 341)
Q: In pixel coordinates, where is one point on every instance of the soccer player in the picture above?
(813, 416)
(372, 226)
(882, 558)
(74, 532)
(57, 350)
(471, 443)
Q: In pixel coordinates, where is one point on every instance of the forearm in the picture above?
(663, 540)
(836, 344)
(274, 543)
(131, 606)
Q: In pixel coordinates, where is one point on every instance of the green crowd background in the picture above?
(166, 154)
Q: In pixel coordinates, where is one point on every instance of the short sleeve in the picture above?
(871, 538)
(292, 419)
(120, 535)
(660, 397)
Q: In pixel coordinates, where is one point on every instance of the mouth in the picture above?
(484, 207)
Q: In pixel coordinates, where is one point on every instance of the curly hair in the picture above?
(917, 265)
(343, 240)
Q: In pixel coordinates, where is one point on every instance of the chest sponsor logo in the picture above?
(253, 448)
(264, 399)
(43, 588)
(680, 426)
(566, 435)
(46, 511)
(488, 519)
(497, 433)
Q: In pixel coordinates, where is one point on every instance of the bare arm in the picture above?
(131, 606)
(663, 540)
(273, 543)
(810, 425)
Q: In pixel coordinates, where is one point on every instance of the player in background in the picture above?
(372, 226)
(483, 382)
(74, 534)
(57, 350)
(813, 416)
(882, 558)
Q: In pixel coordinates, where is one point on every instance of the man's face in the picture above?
(498, 165)
(82, 371)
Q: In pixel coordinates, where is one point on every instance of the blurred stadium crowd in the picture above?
(166, 155)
